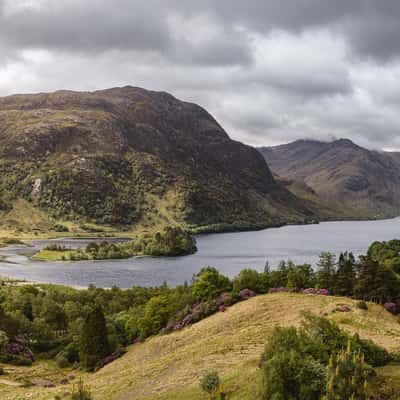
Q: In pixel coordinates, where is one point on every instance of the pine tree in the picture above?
(346, 376)
(326, 271)
(376, 282)
(345, 275)
(366, 276)
(94, 344)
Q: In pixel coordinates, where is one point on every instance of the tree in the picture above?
(326, 270)
(94, 344)
(376, 282)
(345, 275)
(346, 376)
(209, 283)
(53, 313)
(8, 324)
(278, 277)
(300, 276)
(156, 314)
(3, 341)
(251, 279)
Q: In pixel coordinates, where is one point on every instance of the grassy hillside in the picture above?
(169, 367)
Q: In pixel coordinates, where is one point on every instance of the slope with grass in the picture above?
(169, 367)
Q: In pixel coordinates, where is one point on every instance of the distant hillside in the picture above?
(348, 179)
(128, 157)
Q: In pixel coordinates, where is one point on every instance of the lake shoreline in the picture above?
(229, 252)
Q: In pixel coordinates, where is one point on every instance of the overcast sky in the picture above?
(269, 71)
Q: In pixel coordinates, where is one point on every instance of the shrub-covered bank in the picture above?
(319, 361)
(170, 242)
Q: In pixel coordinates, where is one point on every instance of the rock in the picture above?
(43, 383)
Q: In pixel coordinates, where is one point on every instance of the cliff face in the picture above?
(125, 155)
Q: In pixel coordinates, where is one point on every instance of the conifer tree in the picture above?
(376, 282)
(94, 344)
(326, 271)
(364, 287)
(346, 376)
(345, 275)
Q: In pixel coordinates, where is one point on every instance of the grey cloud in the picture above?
(97, 26)
(370, 26)
(87, 26)
(269, 71)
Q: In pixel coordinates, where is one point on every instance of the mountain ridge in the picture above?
(348, 178)
(129, 156)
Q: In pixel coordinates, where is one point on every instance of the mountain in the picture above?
(128, 157)
(349, 180)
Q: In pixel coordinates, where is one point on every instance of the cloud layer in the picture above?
(269, 71)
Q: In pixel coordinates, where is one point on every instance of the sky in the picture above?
(269, 71)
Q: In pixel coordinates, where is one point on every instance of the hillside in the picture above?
(128, 156)
(169, 367)
(348, 179)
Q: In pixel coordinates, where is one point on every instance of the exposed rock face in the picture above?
(105, 156)
(351, 179)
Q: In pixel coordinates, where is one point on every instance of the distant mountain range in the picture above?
(340, 178)
(128, 157)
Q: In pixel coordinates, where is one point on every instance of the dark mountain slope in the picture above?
(125, 156)
(350, 179)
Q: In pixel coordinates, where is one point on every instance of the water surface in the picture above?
(229, 252)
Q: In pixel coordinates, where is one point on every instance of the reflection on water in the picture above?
(229, 252)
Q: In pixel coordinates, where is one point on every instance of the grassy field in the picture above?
(52, 255)
(169, 367)
(26, 222)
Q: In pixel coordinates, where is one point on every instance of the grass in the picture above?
(169, 367)
(40, 371)
(25, 222)
(52, 255)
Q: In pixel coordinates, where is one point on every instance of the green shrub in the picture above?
(210, 384)
(290, 375)
(374, 354)
(294, 362)
(15, 360)
(60, 228)
(362, 305)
